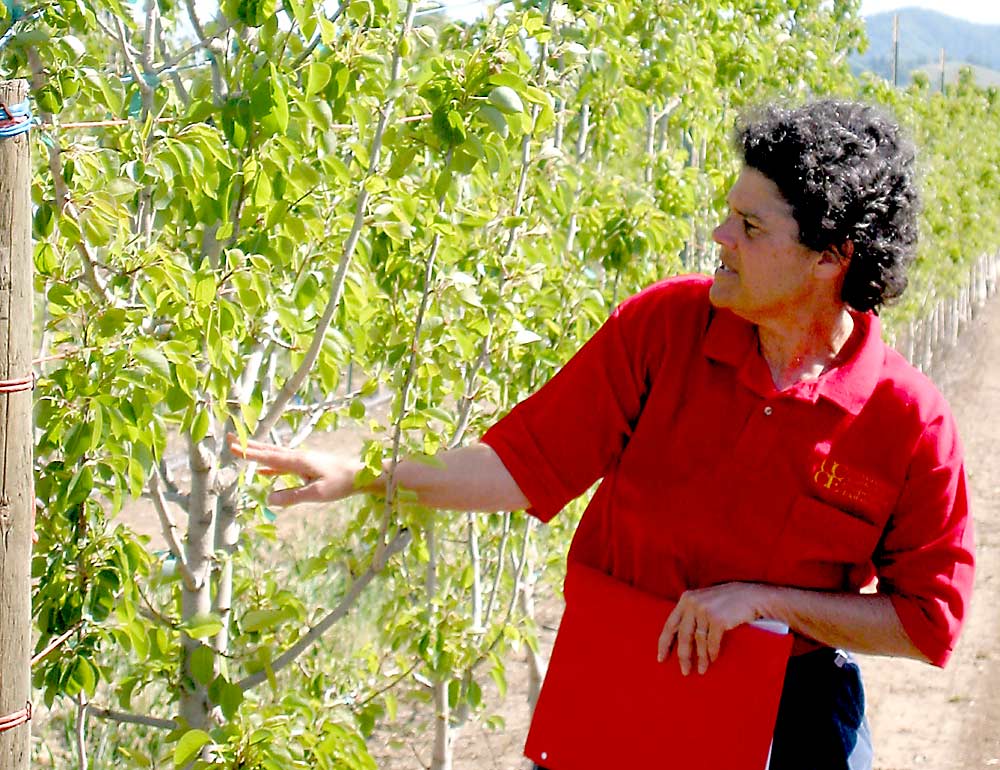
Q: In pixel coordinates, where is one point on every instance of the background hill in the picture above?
(922, 35)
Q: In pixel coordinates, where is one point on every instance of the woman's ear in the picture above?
(837, 256)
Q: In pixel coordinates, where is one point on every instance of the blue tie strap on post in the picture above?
(15, 120)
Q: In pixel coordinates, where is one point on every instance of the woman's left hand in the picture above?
(702, 616)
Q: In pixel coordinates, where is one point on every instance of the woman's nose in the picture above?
(722, 234)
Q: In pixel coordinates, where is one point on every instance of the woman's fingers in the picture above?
(263, 471)
(667, 635)
(275, 460)
(685, 642)
(681, 631)
(701, 632)
(715, 642)
(294, 495)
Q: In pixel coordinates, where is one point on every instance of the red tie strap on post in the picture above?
(18, 718)
(15, 386)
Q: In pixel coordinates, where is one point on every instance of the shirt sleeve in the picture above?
(560, 440)
(925, 562)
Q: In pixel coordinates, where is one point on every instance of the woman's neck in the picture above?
(804, 349)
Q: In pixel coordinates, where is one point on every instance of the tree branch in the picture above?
(411, 370)
(317, 38)
(55, 643)
(81, 731)
(495, 588)
(204, 43)
(63, 204)
(196, 22)
(152, 17)
(131, 719)
(397, 544)
(465, 410)
(133, 65)
(169, 527)
(518, 570)
(385, 688)
(182, 92)
(293, 383)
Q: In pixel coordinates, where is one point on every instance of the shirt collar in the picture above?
(731, 340)
(851, 384)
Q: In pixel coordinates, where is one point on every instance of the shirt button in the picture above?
(768, 411)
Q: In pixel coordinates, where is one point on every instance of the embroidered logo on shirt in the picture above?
(828, 474)
(851, 487)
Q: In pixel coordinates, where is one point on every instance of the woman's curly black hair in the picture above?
(848, 174)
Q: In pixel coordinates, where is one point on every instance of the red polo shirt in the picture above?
(711, 475)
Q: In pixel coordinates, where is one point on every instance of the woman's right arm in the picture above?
(470, 478)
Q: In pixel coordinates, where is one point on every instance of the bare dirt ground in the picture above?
(950, 720)
(921, 717)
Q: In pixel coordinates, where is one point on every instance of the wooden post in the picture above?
(942, 70)
(17, 498)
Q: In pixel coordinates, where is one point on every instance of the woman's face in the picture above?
(766, 275)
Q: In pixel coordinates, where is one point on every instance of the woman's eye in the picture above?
(748, 227)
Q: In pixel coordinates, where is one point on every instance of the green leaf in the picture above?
(46, 260)
(443, 183)
(155, 360)
(48, 99)
(202, 664)
(261, 620)
(43, 222)
(200, 425)
(494, 119)
(317, 78)
(500, 677)
(475, 694)
(189, 745)
(102, 602)
(80, 675)
(277, 118)
(506, 100)
(80, 486)
(202, 625)
(230, 699)
(448, 125)
(204, 291)
(140, 760)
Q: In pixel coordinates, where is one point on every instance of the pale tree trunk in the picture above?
(652, 120)
(441, 755)
(199, 552)
(17, 499)
(227, 536)
(477, 577)
(536, 661)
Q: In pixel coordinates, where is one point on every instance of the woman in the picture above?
(763, 452)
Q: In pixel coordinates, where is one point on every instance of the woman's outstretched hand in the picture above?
(325, 476)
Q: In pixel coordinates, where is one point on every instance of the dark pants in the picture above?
(821, 718)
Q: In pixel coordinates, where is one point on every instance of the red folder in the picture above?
(607, 703)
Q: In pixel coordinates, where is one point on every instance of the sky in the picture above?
(979, 11)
